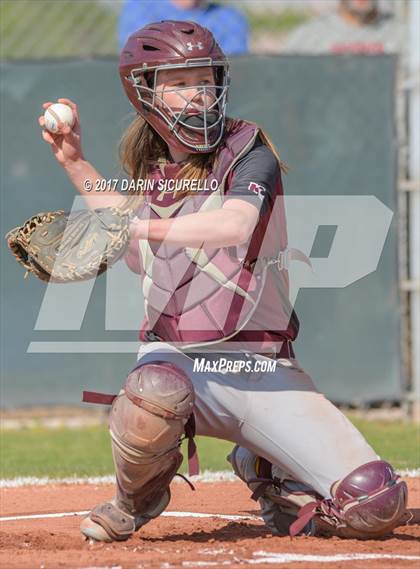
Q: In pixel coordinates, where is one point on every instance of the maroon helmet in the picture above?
(176, 45)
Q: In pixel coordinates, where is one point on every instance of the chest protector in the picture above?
(197, 296)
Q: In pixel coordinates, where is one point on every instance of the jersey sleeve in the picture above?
(254, 178)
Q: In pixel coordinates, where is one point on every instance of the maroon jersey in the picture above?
(257, 179)
(227, 298)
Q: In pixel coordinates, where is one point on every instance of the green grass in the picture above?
(52, 29)
(55, 452)
(86, 451)
(397, 442)
(271, 21)
(63, 452)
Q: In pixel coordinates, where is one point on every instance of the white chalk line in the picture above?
(165, 514)
(206, 476)
(266, 557)
(281, 559)
(260, 557)
(269, 557)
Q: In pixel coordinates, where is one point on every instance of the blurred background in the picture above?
(336, 86)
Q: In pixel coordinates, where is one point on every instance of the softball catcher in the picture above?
(213, 267)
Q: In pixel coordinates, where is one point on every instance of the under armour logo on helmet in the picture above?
(191, 46)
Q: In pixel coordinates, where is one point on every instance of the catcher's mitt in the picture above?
(63, 247)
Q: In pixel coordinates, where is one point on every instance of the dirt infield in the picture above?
(178, 539)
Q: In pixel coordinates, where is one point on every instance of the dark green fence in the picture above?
(332, 119)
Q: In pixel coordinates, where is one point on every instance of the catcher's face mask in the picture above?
(188, 100)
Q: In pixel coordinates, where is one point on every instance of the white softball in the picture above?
(58, 112)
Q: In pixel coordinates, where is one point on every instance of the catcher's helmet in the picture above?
(176, 45)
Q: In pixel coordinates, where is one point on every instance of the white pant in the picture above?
(277, 415)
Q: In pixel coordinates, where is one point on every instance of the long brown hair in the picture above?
(141, 147)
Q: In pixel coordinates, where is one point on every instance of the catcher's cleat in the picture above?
(109, 522)
(92, 530)
(280, 498)
(278, 518)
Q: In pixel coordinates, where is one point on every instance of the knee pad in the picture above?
(368, 503)
(149, 414)
(371, 500)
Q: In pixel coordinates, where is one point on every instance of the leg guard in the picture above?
(368, 503)
(279, 496)
(147, 422)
